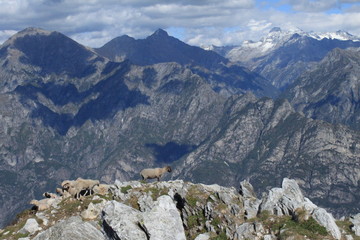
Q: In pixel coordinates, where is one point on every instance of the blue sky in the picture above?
(197, 22)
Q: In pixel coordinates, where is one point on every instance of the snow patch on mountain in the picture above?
(276, 38)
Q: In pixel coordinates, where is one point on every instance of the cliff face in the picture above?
(330, 91)
(181, 210)
(265, 141)
(112, 119)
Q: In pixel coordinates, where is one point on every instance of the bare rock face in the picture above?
(71, 228)
(31, 226)
(162, 221)
(122, 222)
(327, 220)
(285, 200)
(251, 203)
(356, 222)
(289, 199)
(249, 231)
(335, 97)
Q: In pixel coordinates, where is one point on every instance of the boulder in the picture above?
(93, 211)
(249, 231)
(72, 228)
(251, 203)
(203, 236)
(327, 220)
(122, 222)
(31, 226)
(356, 222)
(163, 221)
(285, 200)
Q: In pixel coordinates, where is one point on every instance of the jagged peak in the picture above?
(160, 33)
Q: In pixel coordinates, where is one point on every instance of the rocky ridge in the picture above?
(224, 76)
(183, 210)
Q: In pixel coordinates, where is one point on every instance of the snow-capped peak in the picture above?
(340, 35)
(277, 38)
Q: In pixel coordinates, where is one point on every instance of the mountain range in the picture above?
(70, 111)
(283, 55)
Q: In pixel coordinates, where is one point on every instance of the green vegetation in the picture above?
(194, 195)
(195, 220)
(157, 192)
(133, 202)
(346, 226)
(221, 236)
(125, 189)
(10, 232)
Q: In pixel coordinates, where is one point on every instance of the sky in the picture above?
(197, 22)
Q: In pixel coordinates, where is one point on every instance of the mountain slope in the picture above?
(224, 76)
(111, 123)
(265, 141)
(282, 56)
(331, 90)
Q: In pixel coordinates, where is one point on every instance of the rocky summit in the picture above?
(179, 210)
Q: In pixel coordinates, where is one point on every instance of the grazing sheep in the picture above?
(62, 193)
(43, 204)
(79, 186)
(150, 173)
(50, 195)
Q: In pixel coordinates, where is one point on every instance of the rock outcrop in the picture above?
(72, 228)
(356, 224)
(179, 210)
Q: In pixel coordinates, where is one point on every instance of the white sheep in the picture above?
(43, 204)
(76, 187)
(50, 195)
(150, 173)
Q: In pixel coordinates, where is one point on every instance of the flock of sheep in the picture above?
(83, 187)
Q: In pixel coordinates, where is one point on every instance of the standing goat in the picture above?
(150, 173)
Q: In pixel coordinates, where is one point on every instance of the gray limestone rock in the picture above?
(72, 228)
(249, 231)
(145, 202)
(31, 226)
(251, 203)
(122, 222)
(327, 220)
(203, 236)
(285, 200)
(93, 211)
(163, 221)
(356, 222)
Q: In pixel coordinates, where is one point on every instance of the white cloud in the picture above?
(94, 22)
(311, 5)
(6, 34)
